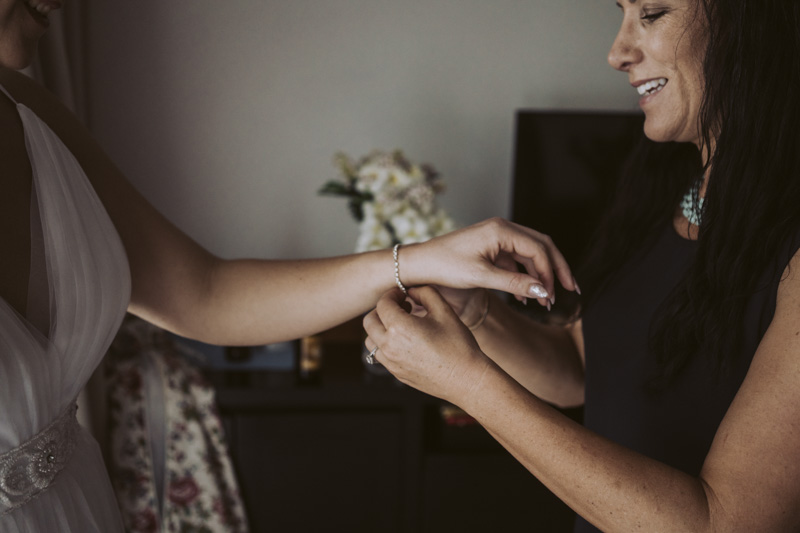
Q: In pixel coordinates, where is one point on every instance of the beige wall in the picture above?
(226, 114)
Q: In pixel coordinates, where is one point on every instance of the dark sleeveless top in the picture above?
(675, 426)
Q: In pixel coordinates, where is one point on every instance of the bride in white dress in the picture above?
(80, 247)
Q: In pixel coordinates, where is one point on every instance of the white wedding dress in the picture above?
(52, 475)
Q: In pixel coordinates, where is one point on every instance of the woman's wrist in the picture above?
(396, 258)
(406, 271)
(468, 397)
(476, 310)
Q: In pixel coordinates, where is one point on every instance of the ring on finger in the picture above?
(370, 359)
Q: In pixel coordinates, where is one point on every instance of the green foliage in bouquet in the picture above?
(391, 198)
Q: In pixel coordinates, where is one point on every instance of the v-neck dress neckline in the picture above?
(86, 291)
(38, 305)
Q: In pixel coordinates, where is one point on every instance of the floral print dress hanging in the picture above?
(169, 461)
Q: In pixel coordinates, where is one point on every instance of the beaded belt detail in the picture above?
(32, 466)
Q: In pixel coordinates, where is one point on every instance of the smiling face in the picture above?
(660, 46)
(22, 23)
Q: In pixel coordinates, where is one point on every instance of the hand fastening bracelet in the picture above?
(397, 270)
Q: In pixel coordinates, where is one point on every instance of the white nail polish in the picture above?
(538, 291)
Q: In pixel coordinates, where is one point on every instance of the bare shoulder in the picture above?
(775, 370)
(780, 347)
(30, 93)
(157, 251)
(789, 287)
(102, 173)
(777, 359)
(11, 79)
(62, 122)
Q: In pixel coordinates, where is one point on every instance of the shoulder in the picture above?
(46, 106)
(755, 449)
(780, 277)
(106, 179)
(66, 126)
(783, 333)
(10, 77)
(25, 90)
(789, 286)
(780, 344)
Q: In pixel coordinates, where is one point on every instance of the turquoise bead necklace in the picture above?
(692, 204)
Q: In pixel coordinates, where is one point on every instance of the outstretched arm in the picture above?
(180, 286)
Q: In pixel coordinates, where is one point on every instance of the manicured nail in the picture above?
(538, 291)
(548, 305)
(553, 300)
(525, 302)
(577, 289)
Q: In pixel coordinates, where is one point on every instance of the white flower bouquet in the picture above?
(392, 199)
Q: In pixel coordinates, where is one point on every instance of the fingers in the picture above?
(374, 328)
(537, 288)
(376, 334)
(509, 263)
(539, 256)
(542, 259)
(392, 307)
(391, 313)
(392, 310)
(429, 298)
(517, 283)
(540, 267)
(559, 265)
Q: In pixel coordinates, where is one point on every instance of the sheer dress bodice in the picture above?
(82, 275)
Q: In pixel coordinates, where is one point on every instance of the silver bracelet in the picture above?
(397, 270)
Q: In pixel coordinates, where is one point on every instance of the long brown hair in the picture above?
(752, 204)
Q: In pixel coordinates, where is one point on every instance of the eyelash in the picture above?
(652, 17)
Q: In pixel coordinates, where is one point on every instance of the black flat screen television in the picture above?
(566, 165)
(565, 168)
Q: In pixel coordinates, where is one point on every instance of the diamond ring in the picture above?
(371, 356)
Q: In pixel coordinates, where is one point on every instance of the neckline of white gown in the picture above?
(38, 265)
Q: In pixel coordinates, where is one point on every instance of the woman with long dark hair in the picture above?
(685, 349)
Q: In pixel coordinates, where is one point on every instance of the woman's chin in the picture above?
(661, 133)
(656, 133)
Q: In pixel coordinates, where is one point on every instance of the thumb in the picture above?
(516, 283)
(429, 298)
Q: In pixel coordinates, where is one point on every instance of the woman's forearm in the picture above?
(610, 486)
(543, 359)
(181, 287)
(251, 302)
